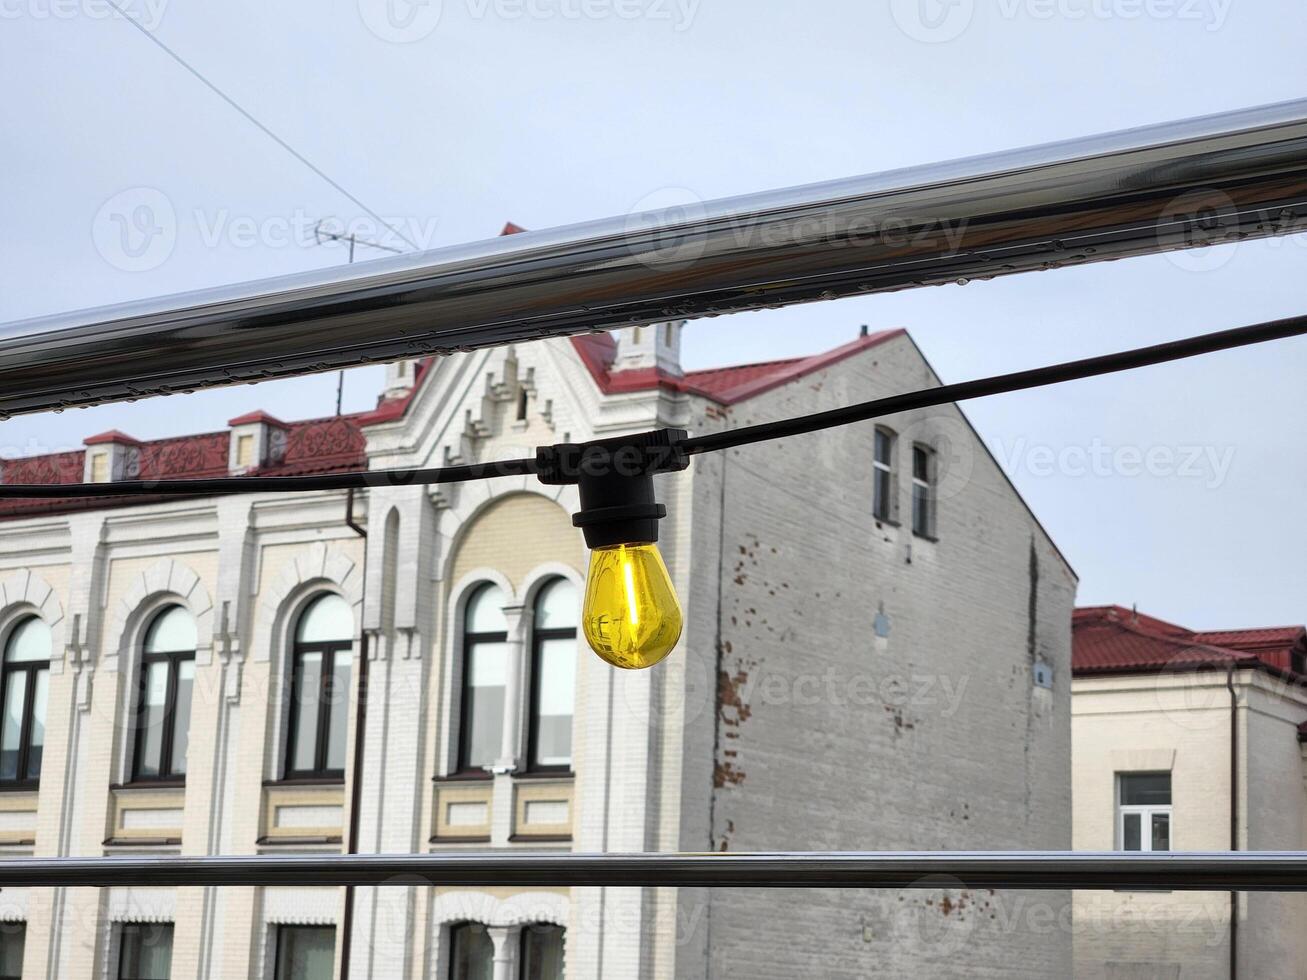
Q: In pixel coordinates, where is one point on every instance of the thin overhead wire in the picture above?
(249, 116)
(714, 442)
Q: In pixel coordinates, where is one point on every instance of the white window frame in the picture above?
(1146, 813)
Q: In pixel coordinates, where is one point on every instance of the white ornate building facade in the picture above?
(889, 668)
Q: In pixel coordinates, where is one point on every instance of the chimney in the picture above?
(257, 439)
(656, 346)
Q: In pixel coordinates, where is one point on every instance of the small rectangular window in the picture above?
(923, 491)
(100, 468)
(245, 450)
(882, 507)
(145, 951)
(306, 952)
(1144, 811)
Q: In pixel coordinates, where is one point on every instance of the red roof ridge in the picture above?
(113, 435)
(258, 415)
(1112, 639)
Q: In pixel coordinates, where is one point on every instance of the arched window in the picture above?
(553, 676)
(319, 690)
(471, 952)
(485, 676)
(26, 679)
(163, 706)
(541, 956)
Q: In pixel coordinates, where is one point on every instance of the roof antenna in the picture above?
(1134, 613)
(320, 237)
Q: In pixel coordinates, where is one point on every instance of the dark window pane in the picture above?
(1146, 789)
(923, 518)
(338, 722)
(472, 953)
(305, 953)
(13, 937)
(555, 692)
(1161, 831)
(146, 952)
(883, 495)
(920, 463)
(884, 446)
(36, 740)
(1130, 833)
(11, 724)
(483, 724)
(306, 686)
(181, 717)
(542, 953)
(154, 696)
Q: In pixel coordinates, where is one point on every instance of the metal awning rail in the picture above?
(1036, 870)
(1186, 184)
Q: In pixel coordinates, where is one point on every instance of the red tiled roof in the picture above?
(1114, 640)
(726, 385)
(314, 446)
(113, 435)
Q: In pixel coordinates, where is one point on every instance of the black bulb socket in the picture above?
(615, 480)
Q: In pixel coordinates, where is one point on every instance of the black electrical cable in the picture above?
(1035, 378)
(358, 480)
(714, 442)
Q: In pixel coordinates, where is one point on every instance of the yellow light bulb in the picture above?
(631, 616)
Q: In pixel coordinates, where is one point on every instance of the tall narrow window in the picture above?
(163, 708)
(306, 952)
(553, 676)
(26, 674)
(319, 690)
(485, 676)
(542, 953)
(471, 952)
(923, 491)
(144, 951)
(13, 937)
(1144, 811)
(882, 507)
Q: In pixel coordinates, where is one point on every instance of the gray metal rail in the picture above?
(1223, 871)
(1220, 178)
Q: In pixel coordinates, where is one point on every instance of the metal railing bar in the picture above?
(1037, 870)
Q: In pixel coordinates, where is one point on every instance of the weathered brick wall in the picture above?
(931, 738)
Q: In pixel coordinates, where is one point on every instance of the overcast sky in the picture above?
(1180, 488)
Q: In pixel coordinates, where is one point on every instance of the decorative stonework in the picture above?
(516, 910)
(167, 576)
(25, 588)
(318, 562)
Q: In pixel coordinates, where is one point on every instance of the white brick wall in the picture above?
(828, 737)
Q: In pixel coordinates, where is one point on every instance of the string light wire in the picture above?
(1090, 367)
